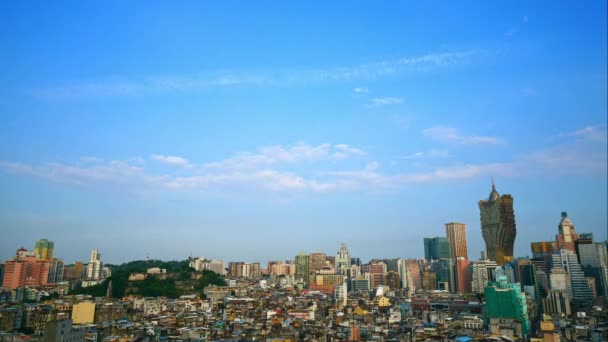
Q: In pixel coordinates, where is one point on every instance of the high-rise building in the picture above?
(25, 269)
(436, 248)
(593, 254)
(377, 271)
(55, 271)
(567, 235)
(542, 248)
(498, 226)
(557, 302)
(317, 261)
(579, 287)
(457, 236)
(361, 283)
(44, 249)
(302, 266)
(95, 266)
(481, 273)
(444, 269)
(355, 261)
(506, 307)
(342, 259)
(409, 273)
(463, 275)
(393, 281)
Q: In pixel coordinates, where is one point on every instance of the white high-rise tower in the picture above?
(342, 259)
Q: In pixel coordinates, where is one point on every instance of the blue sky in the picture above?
(253, 131)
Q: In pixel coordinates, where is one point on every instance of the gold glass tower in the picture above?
(498, 226)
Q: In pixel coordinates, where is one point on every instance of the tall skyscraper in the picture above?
(567, 235)
(436, 248)
(593, 254)
(342, 258)
(457, 236)
(578, 285)
(44, 249)
(498, 226)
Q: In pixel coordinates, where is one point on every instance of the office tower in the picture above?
(579, 287)
(95, 266)
(457, 236)
(444, 269)
(498, 226)
(44, 249)
(540, 249)
(557, 302)
(527, 274)
(603, 275)
(361, 283)
(463, 275)
(583, 239)
(506, 302)
(342, 258)
(355, 261)
(592, 254)
(391, 264)
(302, 266)
(436, 248)
(409, 274)
(377, 271)
(481, 273)
(567, 235)
(55, 271)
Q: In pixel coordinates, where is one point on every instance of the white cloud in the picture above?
(590, 133)
(171, 160)
(431, 153)
(383, 101)
(282, 169)
(273, 77)
(452, 135)
(278, 154)
(360, 90)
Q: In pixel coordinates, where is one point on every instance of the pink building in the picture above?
(25, 270)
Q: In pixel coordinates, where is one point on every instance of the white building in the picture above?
(481, 273)
(341, 294)
(342, 259)
(95, 266)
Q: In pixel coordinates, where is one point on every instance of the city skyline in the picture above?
(227, 135)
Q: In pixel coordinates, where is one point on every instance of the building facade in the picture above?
(437, 248)
(457, 236)
(498, 226)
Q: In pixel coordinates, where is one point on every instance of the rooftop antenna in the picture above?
(493, 184)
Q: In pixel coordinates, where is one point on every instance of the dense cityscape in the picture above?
(303, 171)
(557, 294)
